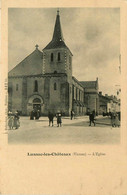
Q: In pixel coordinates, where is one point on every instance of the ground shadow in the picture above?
(85, 124)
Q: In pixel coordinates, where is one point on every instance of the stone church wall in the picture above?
(51, 100)
(15, 94)
(59, 97)
(55, 65)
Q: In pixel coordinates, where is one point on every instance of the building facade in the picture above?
(108, 103)
(44, 81)
(91, 97)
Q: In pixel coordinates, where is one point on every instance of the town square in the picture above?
(76, 131)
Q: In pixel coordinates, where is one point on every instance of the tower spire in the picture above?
(57, 38)
(57, 35)
(58, 11)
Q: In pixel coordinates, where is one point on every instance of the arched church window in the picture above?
(51, 57)
(59, 56)
(55, 86)
(35, 86)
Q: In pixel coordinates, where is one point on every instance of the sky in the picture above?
(92, 35)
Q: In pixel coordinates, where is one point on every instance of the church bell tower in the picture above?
(57, 58)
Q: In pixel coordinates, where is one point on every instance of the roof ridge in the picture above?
(88, 81)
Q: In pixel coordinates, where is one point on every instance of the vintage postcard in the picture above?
(63, 108)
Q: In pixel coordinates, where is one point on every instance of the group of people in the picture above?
(58, 116)
(13, 120)
(35, 114)
(115, 119)
(51, 118)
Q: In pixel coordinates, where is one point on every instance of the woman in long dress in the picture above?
(10, 122)
(16, 121)
(113, 117)
(117, 122)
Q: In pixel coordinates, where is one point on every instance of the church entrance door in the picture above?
(37, 104)
(37, 107)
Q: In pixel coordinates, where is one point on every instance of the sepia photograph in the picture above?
(64, 68)
(63, 108)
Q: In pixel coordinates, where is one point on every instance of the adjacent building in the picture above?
(108, 103)
(91, 97)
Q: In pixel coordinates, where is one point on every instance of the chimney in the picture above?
(106, 95)
(100, 92)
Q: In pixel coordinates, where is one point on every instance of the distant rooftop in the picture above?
(89, 84)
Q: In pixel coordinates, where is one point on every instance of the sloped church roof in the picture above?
(31, 65)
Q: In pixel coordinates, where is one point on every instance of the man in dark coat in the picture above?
(37, 115)
(72, 114)
(50, 116)
(32, 115)
(91, 118)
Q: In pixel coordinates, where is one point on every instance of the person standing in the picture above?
(117, 122)
(10, 121)
(16, 121)
(72, 114)
(59, 120)
(94, 114)
(113, 117)
(32, 115)
(37, 115)
(91, 118)
(50, 116)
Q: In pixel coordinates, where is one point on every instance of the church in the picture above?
(44, 81)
